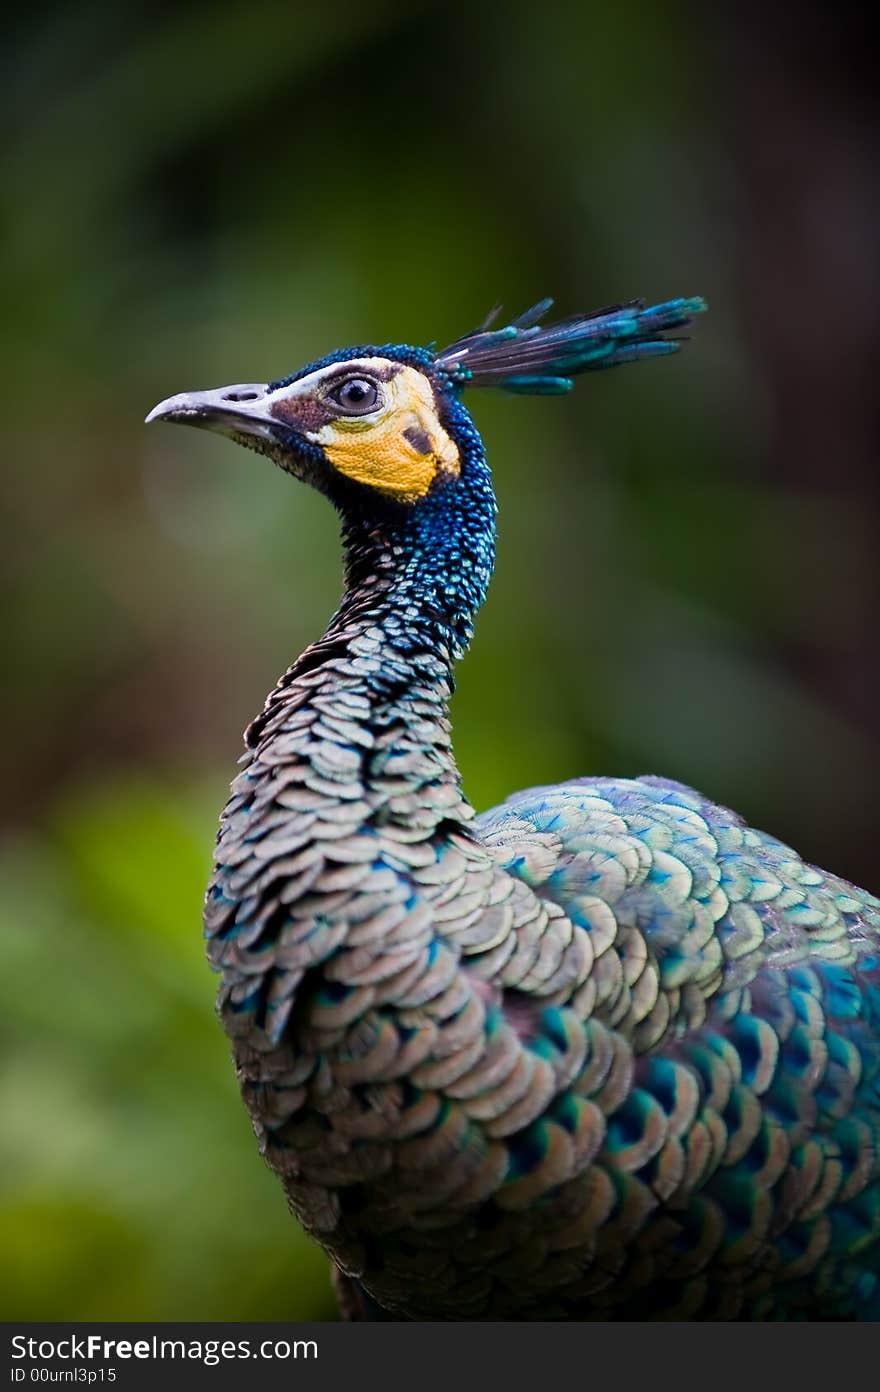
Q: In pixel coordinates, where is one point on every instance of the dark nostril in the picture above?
(241, 396)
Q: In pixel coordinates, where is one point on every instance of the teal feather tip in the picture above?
(527, 357)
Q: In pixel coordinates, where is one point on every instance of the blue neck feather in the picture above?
(415, 577)
(431, 561)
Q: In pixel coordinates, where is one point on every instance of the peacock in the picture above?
(602, 1052)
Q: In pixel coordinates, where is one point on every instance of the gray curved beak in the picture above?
(236, 410)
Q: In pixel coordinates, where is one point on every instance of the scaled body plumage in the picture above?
(603, 1052)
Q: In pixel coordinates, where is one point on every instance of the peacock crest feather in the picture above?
(526, 357)
(602, 1052)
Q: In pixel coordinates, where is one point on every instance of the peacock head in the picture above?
(386, 423)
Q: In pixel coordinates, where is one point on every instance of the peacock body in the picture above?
(601, 1052)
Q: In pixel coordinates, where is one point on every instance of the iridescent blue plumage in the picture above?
(768, 988)
(528, 358)
(602, 1052)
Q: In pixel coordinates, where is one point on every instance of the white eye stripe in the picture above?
(356, 367)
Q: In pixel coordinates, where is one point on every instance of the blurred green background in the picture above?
(688, 575)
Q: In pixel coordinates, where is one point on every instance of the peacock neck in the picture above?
(432, 561)
(350, 786)
(376, 686)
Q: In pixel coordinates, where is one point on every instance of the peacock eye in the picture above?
(356, 395)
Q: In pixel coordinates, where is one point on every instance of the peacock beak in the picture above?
(236, 410)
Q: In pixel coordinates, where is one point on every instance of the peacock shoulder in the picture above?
(687, 901)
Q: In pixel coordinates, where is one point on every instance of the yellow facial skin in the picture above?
(400, 448)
